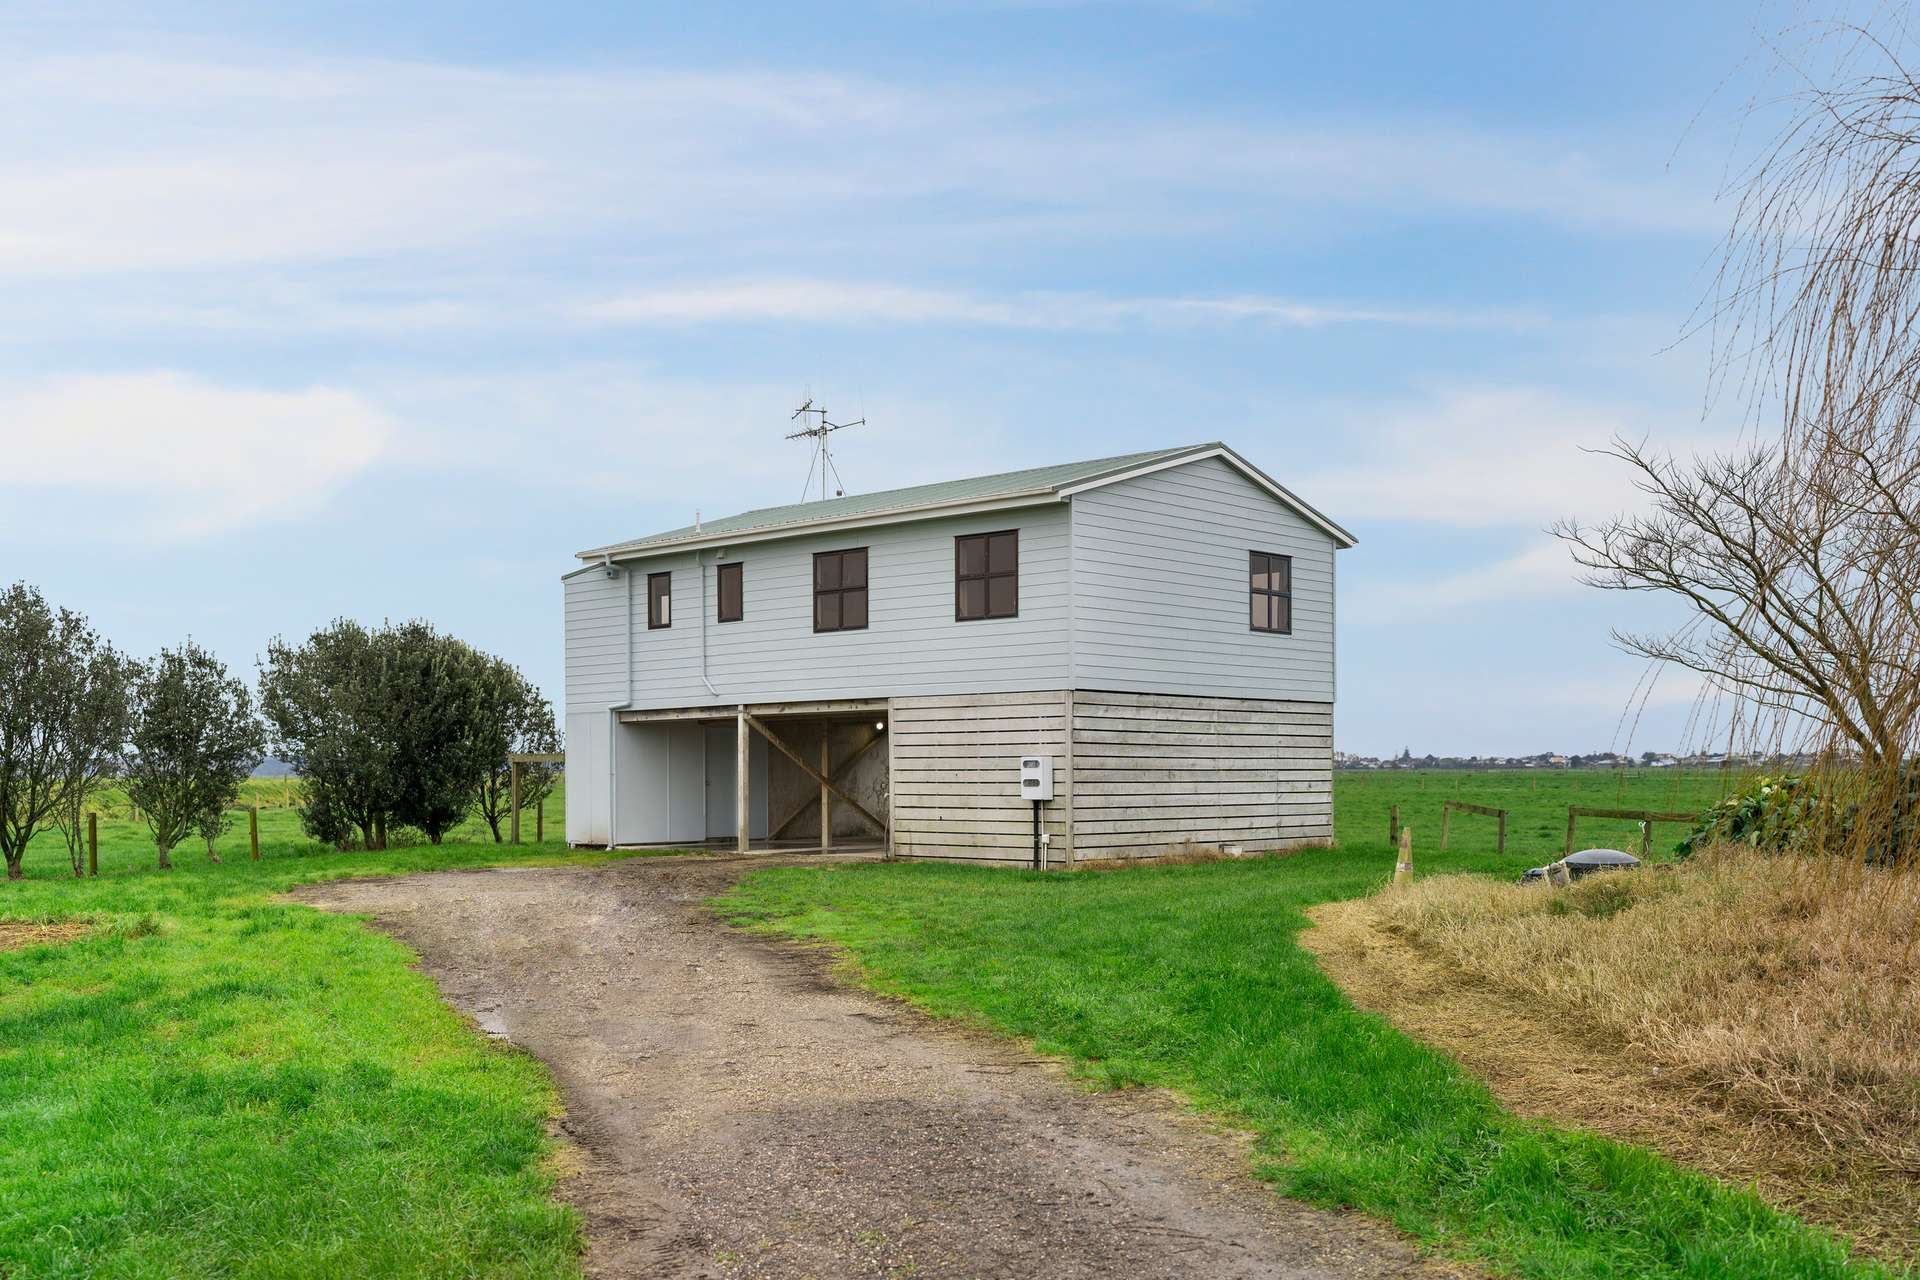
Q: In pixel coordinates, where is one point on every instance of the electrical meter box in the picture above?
(1036, 777)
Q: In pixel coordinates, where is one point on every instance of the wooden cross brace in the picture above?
(812, 772)
(838, 773)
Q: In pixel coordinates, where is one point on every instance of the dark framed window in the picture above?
(986, 575)
(732, 578)
(1270, 592)
(840, 590)
(659, 600)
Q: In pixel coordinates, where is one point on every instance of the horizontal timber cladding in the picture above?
(955, 776)
(1156, 772)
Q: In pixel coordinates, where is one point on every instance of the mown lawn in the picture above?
(219, 1083)
(1190, 977)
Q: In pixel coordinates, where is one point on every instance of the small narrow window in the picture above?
(659, 600)
(840, 590)
(1270, 592)
(986, 576)
(733, 599)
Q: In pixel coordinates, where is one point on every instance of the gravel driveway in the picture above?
(740, 1114)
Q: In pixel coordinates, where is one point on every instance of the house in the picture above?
(1152, 633)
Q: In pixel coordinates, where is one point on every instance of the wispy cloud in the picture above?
(1541, 571)
(182, 457)
(853, 303)
(1486, 457)
(251, 158)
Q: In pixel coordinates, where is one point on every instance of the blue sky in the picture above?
(385, 310)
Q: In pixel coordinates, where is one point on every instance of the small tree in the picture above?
(195, 740)
(96, 741)
(57, 684)
(519, 721)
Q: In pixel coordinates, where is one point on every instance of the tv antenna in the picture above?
(817, 430)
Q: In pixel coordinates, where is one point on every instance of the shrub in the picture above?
(1774, 813)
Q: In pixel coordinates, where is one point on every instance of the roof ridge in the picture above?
(1047, 477)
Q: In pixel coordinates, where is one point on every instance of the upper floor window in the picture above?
(659, 600)
(840, 590)
(1270, 591)
(986, 578)
(732, 583)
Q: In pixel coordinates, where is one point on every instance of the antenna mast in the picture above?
(817, 430)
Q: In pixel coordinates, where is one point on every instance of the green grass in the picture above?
(127, 845)
(220, 1083)
(1190, 977)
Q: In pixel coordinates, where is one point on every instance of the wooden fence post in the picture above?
(1403, 868)
(1446, 823)
(1571, 817)
(1393, 827)
(253, 830)
(540, 820)
(1646, 839)
(513, 772)
(93, 843)
(1503, 834)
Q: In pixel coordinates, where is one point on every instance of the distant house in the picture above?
(1157, 627)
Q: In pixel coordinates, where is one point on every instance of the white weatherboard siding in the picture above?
(596, 647)
(1160, 589)
(912, 645)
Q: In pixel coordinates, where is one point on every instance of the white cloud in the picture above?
(1491, 457)
(1542, 570)
(855, 303)
(179, 457)
(119, 162)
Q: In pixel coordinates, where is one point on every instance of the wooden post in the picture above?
(1446, 821)
(1571, 816)
(513, 802)
(1393, 827)
(1503, 833)
(93, 844)
(743, 841)
(1403, 868)
(1646, 839)
(540, 820)
(253, 830)
(826, 796)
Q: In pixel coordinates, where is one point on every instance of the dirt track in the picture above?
(741, 1115)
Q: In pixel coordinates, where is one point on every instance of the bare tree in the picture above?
(1798, 557)
(1800, 574)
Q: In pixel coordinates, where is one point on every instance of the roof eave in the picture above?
(770, 533)
(1340, 536)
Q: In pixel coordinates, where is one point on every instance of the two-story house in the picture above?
(874, 668)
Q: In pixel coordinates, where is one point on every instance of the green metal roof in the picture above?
(1007, 484)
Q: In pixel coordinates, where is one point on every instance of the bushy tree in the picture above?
(195, 740)
(326, 703)
(520, 720)
(386, 726)
(438, 695)
(59, 725)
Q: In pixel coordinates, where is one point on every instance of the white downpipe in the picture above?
(700, 569)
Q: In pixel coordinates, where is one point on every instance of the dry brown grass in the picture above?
(15, 934)
(1756, 1017)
